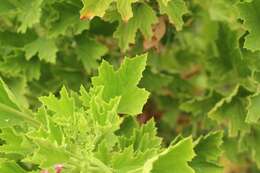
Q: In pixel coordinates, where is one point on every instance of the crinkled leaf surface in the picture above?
(63, 107)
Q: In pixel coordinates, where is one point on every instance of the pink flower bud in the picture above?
(58, 168)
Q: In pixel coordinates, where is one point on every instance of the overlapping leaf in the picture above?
(175, 9)
(126, 31)
(89, 52)
(45, 48)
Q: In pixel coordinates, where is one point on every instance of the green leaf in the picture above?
(18, 86)
(175, 9)
(174, 158)
(202, 167)
(63, 107)
(29, 14)
(208, 151)
(17, 66)
(143, 139)
(165, 2)
(94, 8)
(103, 113)
(138, 146)
(66, 20)
(11, 167)
(229, 55)
(14, 143)
(200, 106)
(250, 14)
(11, 113)
(134, 163)
(123, 83)
(209, 146)
(46, 49)
(231, 110)
(253, 111)
(16, 40)
(126, 32)
(6, 7)
(125, 9)
(48, 129)
(89, 52)
(158, 81)
(44, 155)
(223, 10)
(7, 97)
(251, 142)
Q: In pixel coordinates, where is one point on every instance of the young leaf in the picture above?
(123, 83)
(103, 113)
(44, 155)
(63, 107)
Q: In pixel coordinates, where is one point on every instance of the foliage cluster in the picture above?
(198, 60)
